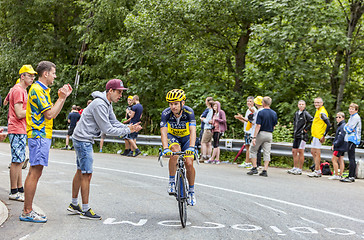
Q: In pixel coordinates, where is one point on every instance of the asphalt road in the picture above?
(130, 195)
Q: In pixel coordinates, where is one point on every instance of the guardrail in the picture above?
(233, 145)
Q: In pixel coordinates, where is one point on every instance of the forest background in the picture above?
(228, 49)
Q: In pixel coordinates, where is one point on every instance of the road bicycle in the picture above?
(181, 187)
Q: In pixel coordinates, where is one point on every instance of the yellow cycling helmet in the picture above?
(176, 95)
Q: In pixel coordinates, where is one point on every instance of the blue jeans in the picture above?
(84, 153)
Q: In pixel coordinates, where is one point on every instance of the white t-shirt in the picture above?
(251, 130)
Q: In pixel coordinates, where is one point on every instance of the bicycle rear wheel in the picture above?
(182, 197)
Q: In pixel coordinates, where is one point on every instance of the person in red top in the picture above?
(18, 98)
(220, 126)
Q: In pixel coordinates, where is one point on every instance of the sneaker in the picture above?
(217, 162)
(253, 171)
(297, 172)
(33, 217)
(291, 171)
(209, 161)
(21, 196)
(263, 173)
(334, 177)
(191, 198)
(25, 164)
(249, 165)
(72, 148)
(243, 165)
(130, 154)
(137, 152)
(65, 148)
(171, 188)
(348, 179)
(15, 196)
(89, 214)
(126, 151)
(100, 150)
(315, 174)
(74, 209)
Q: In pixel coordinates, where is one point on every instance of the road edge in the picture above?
(4, 212)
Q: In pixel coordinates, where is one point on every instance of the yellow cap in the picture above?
(258, 100)
(130, 97)
(17, 81)
(27, 69)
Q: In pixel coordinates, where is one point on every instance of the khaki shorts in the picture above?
(207, 136)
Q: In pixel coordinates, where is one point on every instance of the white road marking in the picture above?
(323, 211)
(310, 221)
(138, 224)
(214, 225)
(25, 237)
(277, 210)
(277, 230)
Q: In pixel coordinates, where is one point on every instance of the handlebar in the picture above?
(160, 155)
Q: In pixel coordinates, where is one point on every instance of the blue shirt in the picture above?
(267, 119)
(138, 109)
(203, 115)
(73, 117)
(179, 127)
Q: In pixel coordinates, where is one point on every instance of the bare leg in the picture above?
(30, 186)
(247, 158)
(342, 165)
(316, 154)
(85, 187)
(172, 164)
(76, 184)
(295, 157)
(208, 148)
(301, 158)
(190, 171)
(16, 175)
(335, 165)
(67, 140)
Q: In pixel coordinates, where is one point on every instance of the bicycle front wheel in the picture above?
(182, 197)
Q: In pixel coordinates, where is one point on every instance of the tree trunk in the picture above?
(240, 55)
(356, 12)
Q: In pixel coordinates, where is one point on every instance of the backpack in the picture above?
(359, 171)
(325, 168)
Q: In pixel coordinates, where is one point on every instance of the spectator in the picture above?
(89, 101)
(353, 136)
(302, 122)
(72, 120)
(248, 129)
(6, 100)
(79, 109)
(339, 147)
(203, 115)
(206, 147)
(97, 118)
(126, 121)
(102, 139)
(135, 115)
(320, 127)
(265, 123)
(17, 130)
(39, 116)
(219, 123)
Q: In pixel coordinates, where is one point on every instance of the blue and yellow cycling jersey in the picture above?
(39, 101)
(179, 127)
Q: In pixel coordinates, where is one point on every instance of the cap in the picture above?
(115, 84)
(258, 100)
(130, 97)
(27, 69)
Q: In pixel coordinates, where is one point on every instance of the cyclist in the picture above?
(178, 133)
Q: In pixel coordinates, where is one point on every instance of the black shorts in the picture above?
(132, 136)
(338, 153)
(298, 143)
(216, 138)
(70, 131)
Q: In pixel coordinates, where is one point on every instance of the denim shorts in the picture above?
(247, 138)
(130, 136)
(84, 158)
(39, 151)
(18, 143)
